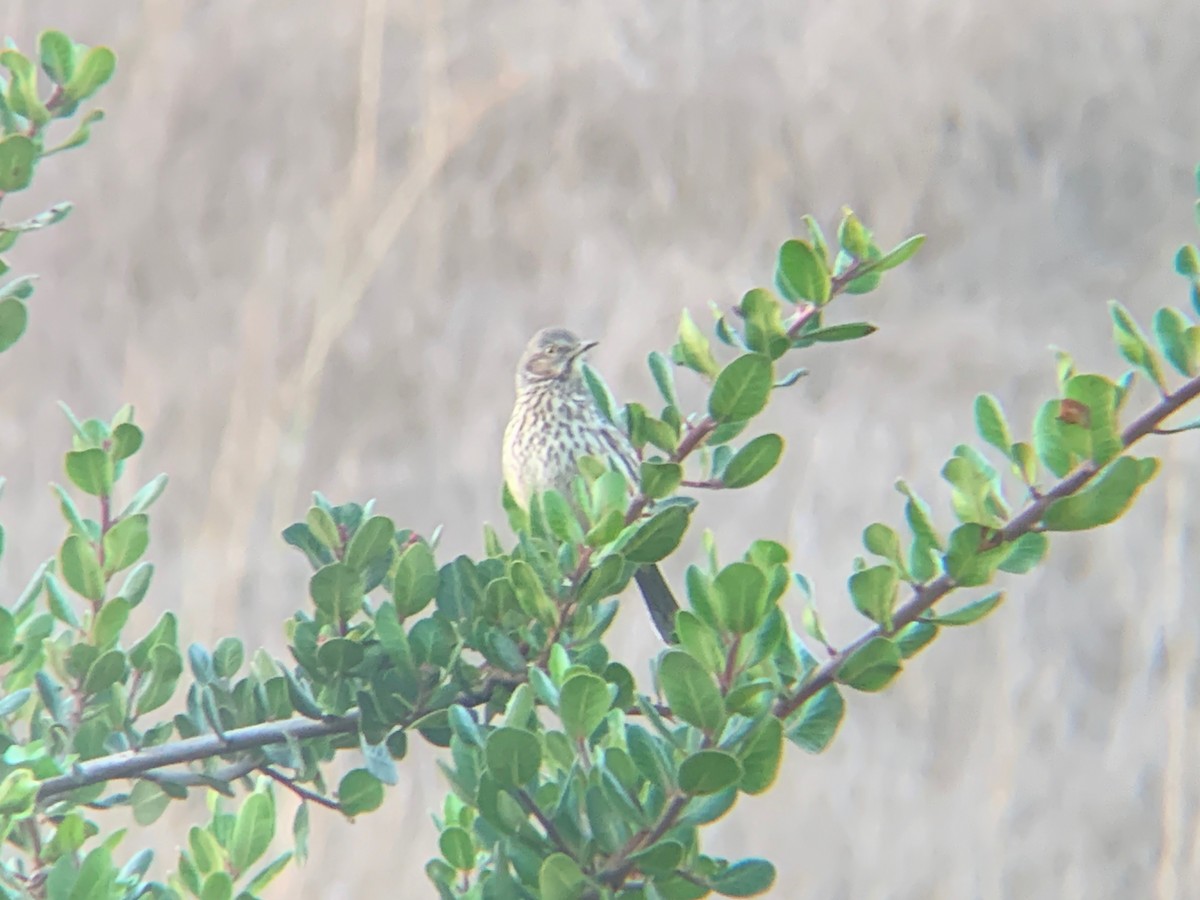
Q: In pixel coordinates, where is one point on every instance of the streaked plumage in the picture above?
(555, 420)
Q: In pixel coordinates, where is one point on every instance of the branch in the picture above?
(552, 833)
(926, 595)
(615, 876)
(137, 762)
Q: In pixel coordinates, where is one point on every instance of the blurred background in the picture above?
(311, 240)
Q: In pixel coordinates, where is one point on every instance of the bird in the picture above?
(555, 422)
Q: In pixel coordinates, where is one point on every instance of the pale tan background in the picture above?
(312, 237)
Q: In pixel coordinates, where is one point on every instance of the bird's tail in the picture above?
(660, 602)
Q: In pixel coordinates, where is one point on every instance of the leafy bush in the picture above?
(567, 778)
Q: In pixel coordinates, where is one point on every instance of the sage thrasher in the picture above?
(555, 421)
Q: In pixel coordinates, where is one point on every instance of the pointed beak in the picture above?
(584, 347)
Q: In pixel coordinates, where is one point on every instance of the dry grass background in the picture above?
(312, 237)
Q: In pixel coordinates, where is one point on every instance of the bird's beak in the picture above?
(585, 346)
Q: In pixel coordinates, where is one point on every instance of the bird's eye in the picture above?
(551, 350)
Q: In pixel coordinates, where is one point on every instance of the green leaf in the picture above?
(531, 596)
(125, 543)
(148, 801)
(1102, 501)
(10, 703)
(137, 583)
(914, 636)
(662, 858)
(874, 593)
(761, 756)
(693, 349)
(359, 792)
(416, 579)
(800, 274)
(81, 134)
(513, 756)
(901, 253)
(971, 613)
(916, 513)
(23, 287)
(559, 517)
(166, 666)
(339, 655)
(708, 772)
(1024, 462)
(457, 848)
(90, 470)
(208, 856)
(664, 377)
(105, 672)
(699, 640)
(882, 540)
(323, 528)
(145, 496)
(740, 598)
(217, 886)
(872, 667)
(14, 316)
(763, 329)
(109, 621)
(300, 831)
(603, 580)
(505, 652)
(18, 154)
(78, 564)
(973, 556)
(991, 424)
(847, 331)
(19, 288)
(253, 830)
(753, 462)
(660, 479)
(1049, 441)
(371, 542)
(748, 699)
(228, 657)
(745, 879)
(267, 873)
(1133, 344)
(70, 511)
(741, 389)
(1025, 553)
(1099, 396)
(658, 536)
(1187, 262)
(336, 589)
(22, 97)
(559, 878)
(690, 691)
(93, 70)
(583, 703)
(601, 393)
(974, 493)
(57, 52)
(1173, 334)
(853, 236)
(126, 440)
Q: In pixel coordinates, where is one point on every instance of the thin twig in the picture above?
(666, 822)
(299, 790)
(552, 833)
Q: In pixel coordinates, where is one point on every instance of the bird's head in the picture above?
(553, 354)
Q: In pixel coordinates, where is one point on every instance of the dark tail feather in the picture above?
(660, 602)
